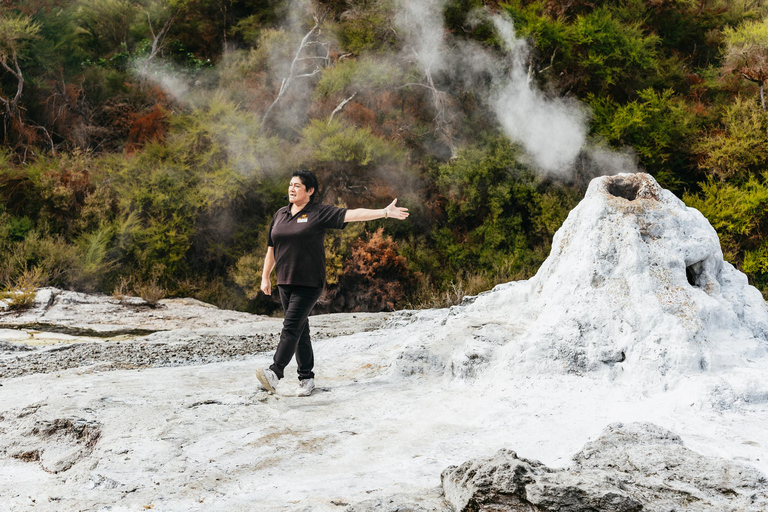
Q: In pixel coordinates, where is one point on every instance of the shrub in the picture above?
(20, 292)
(594, 51)
(747, 53)
(739, 214)
(122, 289)
(247, 274)
(658, 126)
(359, 75)
(367, 27)
(350, 162)
(150, 291)
(738, 147)
(56, 259)
(375, 278)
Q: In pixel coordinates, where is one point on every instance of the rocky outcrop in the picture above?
(101, 315)
(66, 329)
(629, 468)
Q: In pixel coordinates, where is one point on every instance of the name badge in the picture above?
(303, 218)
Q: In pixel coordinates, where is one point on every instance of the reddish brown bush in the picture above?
(147, 128)
(375, 278)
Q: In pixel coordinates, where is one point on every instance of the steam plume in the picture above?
(553, 131)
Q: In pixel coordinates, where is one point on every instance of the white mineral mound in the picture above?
(635, 288)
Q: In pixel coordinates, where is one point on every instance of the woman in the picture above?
(297, 252)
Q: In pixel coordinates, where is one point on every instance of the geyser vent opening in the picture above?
(692, 273)
(624, 188)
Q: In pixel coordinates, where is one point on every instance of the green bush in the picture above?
(739, 214)
(368, 26)
(20, 293)
(593, 52)
(737, 148)
(660, 127)
(500, 219)
(349, 162)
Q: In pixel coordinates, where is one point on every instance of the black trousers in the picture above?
(297, 301)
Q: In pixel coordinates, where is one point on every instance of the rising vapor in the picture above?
(552, 131)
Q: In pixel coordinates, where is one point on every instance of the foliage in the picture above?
(348, 161)
(375, 278)
(15, 32)
(21, 292)
(739, 214)
(747, 52)
(736, 148)
(499, 218)
(659, 126)
(354, 76)
(104, 26)
(367, 27)
(594, 52)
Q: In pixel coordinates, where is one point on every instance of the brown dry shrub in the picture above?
(150, 291)
(375, 278)
(147, 128)
(360, 115)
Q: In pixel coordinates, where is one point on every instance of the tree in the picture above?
(15, 32)
(747, 52)
(105, 25)
(165, 13)
(298, 65)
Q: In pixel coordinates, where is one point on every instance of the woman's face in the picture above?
(297, 192)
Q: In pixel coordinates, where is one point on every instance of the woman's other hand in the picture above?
(266, 286)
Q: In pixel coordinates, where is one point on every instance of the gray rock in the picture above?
(429, 500)
(7, 346)
(107, 334)
(629, 468)
(56, 444)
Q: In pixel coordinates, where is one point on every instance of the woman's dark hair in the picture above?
(309, 180)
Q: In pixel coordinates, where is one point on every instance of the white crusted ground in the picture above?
(611, 329)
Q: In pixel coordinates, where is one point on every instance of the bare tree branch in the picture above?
(340, 107)
(11, 105)
(306, 41)
(157, 39)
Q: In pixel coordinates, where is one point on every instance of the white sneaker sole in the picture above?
(264, 381)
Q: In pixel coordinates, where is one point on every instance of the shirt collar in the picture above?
(310, 205)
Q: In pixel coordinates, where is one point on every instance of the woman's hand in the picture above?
(269, 264)
(395, 212)
(266, 286)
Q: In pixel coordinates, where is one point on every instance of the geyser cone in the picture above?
(635, 284)
(636, 277)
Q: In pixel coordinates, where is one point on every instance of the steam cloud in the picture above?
(553, 131)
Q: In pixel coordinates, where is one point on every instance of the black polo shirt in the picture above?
(299, 242)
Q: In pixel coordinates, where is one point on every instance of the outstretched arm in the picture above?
(390, 212)
(269, 264)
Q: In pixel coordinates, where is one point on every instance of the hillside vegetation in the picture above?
(145, 144)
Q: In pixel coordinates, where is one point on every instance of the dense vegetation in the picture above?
(145, 144)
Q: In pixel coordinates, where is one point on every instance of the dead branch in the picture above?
(11, 105)
(157, 39)
(340, 107)
(306, 41)
(48, 136)
(61, 91)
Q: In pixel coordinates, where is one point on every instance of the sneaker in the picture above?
(267, 378)
(306, 387)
